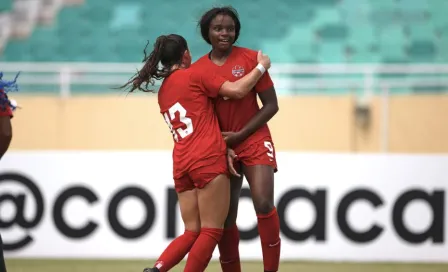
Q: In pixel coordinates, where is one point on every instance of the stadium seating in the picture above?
(292, 31)
(359, 31)
(6, 5)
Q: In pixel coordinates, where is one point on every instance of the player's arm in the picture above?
(241, 87)
(270, 108)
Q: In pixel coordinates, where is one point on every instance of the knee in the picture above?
(264, 206)
(193, 226)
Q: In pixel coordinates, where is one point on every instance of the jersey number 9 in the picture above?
(169, 119)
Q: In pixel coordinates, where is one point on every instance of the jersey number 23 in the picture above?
(170, 116)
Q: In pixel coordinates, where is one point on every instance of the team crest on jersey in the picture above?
(238, 71)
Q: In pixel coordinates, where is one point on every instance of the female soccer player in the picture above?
(200, 167)
(6, 108)
(244, 126)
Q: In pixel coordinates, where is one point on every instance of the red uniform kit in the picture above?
(233, 115)
(185, 100)
(5, 110)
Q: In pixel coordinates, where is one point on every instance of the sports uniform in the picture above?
(233, 115)
(185, 100)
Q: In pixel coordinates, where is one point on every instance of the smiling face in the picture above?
(222, 32)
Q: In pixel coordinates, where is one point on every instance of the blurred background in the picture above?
(362, 85)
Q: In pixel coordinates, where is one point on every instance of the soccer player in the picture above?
(6, 108)
(245, 129)
(200, 167)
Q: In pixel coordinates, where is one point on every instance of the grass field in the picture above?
(19, 265)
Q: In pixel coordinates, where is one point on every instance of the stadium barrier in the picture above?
(413, 124)
(333, 207)
(294, 77)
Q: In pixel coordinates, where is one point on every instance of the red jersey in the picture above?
(233, 115)
(5, 110)
(185, 100)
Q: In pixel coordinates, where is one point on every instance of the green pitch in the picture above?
(19, 265)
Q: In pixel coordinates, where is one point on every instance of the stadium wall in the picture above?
(122, 205)
(415, 124)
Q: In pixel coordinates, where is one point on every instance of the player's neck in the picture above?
(177, 66)
(220, 56)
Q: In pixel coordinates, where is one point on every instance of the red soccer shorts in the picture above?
(259, 153)
(201, 176)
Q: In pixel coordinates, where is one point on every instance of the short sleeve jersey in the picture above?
(233, 115)
(186, 103)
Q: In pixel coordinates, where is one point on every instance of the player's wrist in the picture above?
(241, 135)
(261, 68)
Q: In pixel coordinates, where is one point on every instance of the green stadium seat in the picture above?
(362, 35)
(392, 35)
(421, 31)
(314, 31)
(364, 54)
(415, 6)
(326, 16)
(384, 4)
(422, 51)
(333, 32)
(331, 52)
(6, 5)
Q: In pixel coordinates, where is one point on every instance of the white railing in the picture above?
(351, 77)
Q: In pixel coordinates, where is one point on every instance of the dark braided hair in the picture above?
(208, 16)
(168, 50)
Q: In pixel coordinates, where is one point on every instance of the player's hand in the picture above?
(231, 156)
(232, 138)
(264, 60)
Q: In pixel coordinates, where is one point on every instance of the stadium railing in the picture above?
(290, 79)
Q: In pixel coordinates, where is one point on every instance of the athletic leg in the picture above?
(2, 258)
(5, 140)
(229, 243)
(189, 210)
(213, 202)
(5, 134)
(261, 182)
(180, 246)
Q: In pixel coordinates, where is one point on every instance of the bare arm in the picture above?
(241, 87)
(270, 108)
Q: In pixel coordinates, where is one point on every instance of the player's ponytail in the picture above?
(168, 50)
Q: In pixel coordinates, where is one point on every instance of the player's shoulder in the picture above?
(196, 73)
(246, 53)
(201, 62)
(178, 78)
